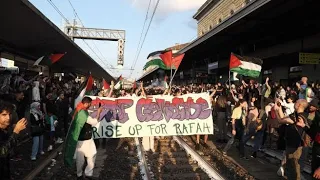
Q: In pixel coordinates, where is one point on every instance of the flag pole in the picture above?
(229, 78)
(170, 75)
(173, 77)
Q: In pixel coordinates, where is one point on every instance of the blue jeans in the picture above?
(37, 145)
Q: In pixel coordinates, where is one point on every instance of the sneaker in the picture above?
(50, 148)
(59, 141)
(42, 153)
(280, 172)
(254, 155)
(33, 158)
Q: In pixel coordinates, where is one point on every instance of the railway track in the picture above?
(174, 158)
(229, 168)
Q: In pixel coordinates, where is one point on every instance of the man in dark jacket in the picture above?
(7, 140)
(62, 112)
(20, 108)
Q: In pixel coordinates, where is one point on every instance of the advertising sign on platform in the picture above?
(6, 62)
(309, 58)
(152, 116)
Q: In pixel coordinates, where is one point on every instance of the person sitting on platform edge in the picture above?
(7, 140)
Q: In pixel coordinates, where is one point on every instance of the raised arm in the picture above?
(143, 93)
(111, 89)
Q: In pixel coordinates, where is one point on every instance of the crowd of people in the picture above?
(272, 114)
(38, 107)
(275, 116)
(279, 117)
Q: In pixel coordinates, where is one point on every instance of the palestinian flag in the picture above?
(105, 84)
(154, 59)
(79, 119)
(170, 61)
(48, 60)
(119, 83)
(167, 59)
(246, 66)
(84, 89)
(176, 61)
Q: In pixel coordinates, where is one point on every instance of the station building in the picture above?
(284, 34)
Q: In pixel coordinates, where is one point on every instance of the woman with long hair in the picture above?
(220, 110)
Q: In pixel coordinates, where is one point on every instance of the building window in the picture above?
(231, 12)
(210, 27)
(247, 1)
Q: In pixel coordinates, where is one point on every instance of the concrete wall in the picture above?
(218, 13)
(279, 73)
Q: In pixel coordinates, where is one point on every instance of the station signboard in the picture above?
(309, 58)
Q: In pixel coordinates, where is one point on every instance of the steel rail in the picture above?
(144, 169)
(44, 164)
(206, 167)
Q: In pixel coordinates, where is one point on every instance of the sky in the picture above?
(172, 23)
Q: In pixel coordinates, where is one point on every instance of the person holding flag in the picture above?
(80, 143)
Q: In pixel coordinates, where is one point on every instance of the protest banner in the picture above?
(152, 116)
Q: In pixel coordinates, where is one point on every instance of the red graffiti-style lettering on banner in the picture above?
(113, 109)
(178, 109)
(148, 110)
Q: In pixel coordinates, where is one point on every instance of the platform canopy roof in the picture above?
(27, 33)
(253, 29)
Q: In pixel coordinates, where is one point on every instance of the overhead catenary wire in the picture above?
(141, 35)
(76, 14)
(105, 59)
(144, 38)
(96, 55)
(57, 9)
